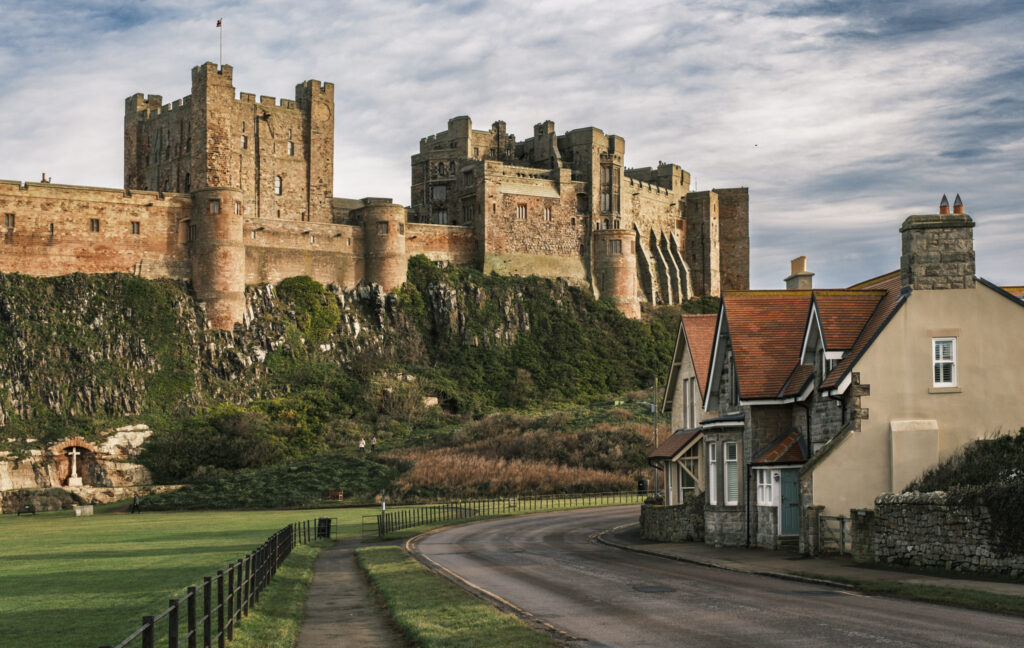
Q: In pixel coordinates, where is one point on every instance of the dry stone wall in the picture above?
(930, 530)
(681, 523)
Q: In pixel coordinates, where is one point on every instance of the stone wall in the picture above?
(938, 252)
(766, 534)
(929, 530)
(681, 523)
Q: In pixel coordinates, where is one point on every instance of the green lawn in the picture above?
(88, 581)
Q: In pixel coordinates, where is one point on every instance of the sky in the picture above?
(841, 116)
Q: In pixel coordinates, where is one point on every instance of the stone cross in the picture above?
(74, 479)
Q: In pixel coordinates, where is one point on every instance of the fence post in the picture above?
(147, 632)
(207, 611)
(842, 535)
(231, 601)
(220, 608)
(190, 610)
(172, 625)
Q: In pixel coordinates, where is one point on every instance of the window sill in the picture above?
(944, 390)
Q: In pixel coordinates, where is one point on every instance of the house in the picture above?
(817, 401)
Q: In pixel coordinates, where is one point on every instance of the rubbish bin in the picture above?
(323, 527)
(643, 484)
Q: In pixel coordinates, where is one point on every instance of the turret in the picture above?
(218, 254)
(384, 242)
(615, 269)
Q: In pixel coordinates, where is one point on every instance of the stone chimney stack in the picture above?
(938, 250)
(799, 278)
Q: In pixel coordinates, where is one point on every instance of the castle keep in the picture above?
(226, 190)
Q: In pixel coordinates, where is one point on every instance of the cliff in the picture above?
(80, 353)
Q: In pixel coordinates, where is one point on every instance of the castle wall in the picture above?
(449, 244)
(702, 241)
(734, 238)
(32, 247)
(329, 253)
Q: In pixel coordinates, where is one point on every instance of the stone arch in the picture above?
(78, 454)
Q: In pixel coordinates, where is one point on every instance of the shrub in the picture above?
(316, 309)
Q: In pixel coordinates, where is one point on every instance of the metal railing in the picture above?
(407, 517)
(834, 533)
(226, 597)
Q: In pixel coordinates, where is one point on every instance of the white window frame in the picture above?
(938, 361)
(731, 465)
(765, 487)
(712, 472)
(521, 210)
(278, 185)
(547, 213)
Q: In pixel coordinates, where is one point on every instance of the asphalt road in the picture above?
(548, 566)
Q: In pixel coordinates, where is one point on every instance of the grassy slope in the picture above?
(101, 574)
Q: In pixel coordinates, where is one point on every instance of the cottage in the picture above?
(817, 401)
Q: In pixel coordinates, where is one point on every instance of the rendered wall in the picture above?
(158, 249)
(897, 370)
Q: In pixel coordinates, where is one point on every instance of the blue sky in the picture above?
(842, 117)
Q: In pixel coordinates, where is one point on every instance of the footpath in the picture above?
(791, 566)
(340, 608)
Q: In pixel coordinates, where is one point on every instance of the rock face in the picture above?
(114, 347)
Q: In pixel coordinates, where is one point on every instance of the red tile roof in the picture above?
(700, 337)
(888, 304)
(1016, 291)
(767, 331)
(801, 375)
(672, 445)
(843, 314)
(787, 449)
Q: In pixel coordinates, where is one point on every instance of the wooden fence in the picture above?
(834, 534)
(213, 609)
(397, 519)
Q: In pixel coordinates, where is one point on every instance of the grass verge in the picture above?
(275, 622)
(956, 596)
(433, 612)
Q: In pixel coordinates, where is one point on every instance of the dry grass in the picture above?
(465, 473)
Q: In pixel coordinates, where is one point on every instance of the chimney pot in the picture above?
(944, 205)
(958, 205)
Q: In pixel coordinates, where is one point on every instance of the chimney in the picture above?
(958, 205)
(799, 278)
(938, 250)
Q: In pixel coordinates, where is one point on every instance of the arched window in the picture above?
(278, 185)
(607, 223)
(188, 182)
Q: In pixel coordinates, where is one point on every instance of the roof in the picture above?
(801, 375)
(1016, 291)
(696, 335)
(843, 314)
(700, 337)
(672, 445)
(887, 306)
(766, 328)
(788, 448)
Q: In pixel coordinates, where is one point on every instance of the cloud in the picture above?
(841, 117)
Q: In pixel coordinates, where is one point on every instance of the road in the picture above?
(548, 566)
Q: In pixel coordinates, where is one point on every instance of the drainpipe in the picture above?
(746, 498)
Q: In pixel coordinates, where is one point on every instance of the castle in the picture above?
(227, 191)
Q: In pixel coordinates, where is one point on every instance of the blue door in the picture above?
(789, 512)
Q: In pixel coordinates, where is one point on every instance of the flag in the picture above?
(218, 22)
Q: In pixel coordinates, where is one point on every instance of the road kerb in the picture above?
(603, 538)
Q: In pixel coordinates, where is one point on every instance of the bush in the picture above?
(316, 309)
(281, 485)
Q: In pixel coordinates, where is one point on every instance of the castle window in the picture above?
(382, 228)
(9, 220)
(278, 185)
(401, 228)
(615, 246)
(606, 201)
(606, 175)
(238, 207)
(581, 203)
(348, 242)
(439, 192)
(253, 235)
(135, 227)
(468, 211)
(607, 224)
(312, 238)
(191, 231)
(467, 177)
(442, 217)
(94, 224)
(521, 210)
(243, 127)
(188, 182)
(291, 148)
(167, 185)
(51, 229)
(572, 221)
(547, 214)
(245, 142)
(214, 205)
(476, 152)
(289, 133)
(615, 224)
(188, 144)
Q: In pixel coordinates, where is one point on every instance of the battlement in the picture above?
(210, 73)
